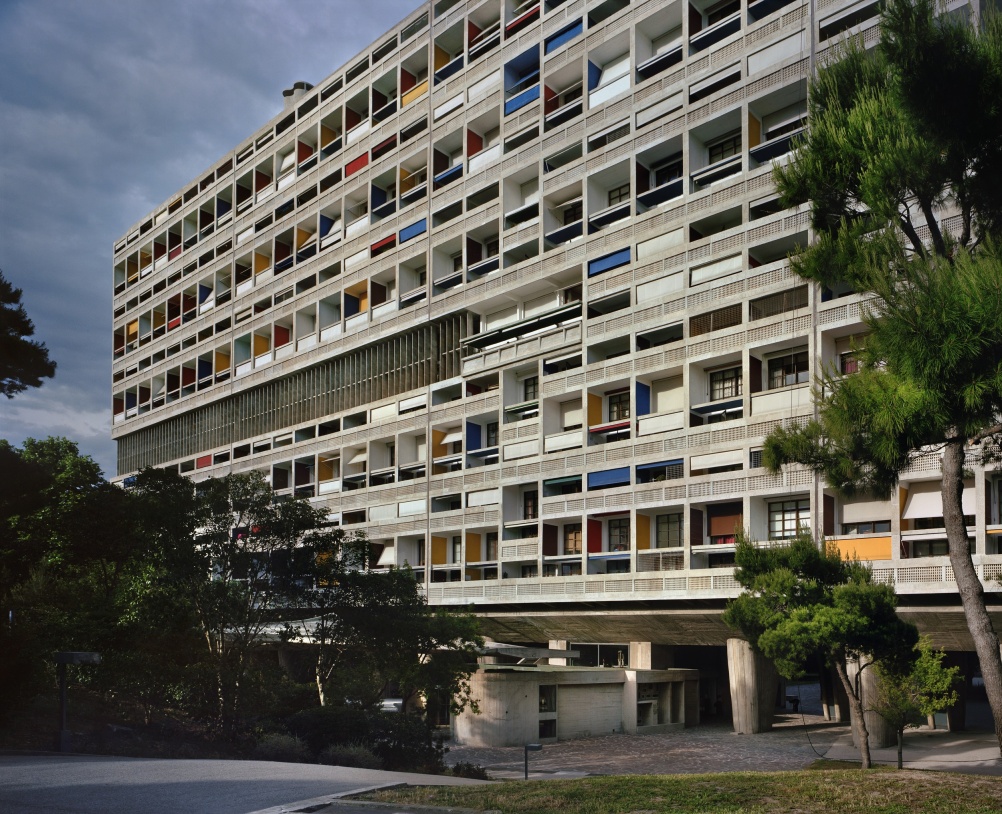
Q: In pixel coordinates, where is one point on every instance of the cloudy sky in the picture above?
(108, 107)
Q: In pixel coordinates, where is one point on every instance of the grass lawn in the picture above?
(879, 791)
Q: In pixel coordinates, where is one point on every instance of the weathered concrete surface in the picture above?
(754, 682)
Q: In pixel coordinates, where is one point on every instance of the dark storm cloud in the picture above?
(106, 109)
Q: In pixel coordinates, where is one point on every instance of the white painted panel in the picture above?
(386, 411)
(668, 394)
(648, 425)
(540, 305)
(589, 710)
(413, 403)
(448, 106)
(656, 246)
(777, 52)
(570, 413)
(484, 86)
(520, 450)
(727, 458)
(662, 108)
(503, 317)
(926, 500)
(411, 507)
(485, 497)
(864, 511)
(357, 260)
(650, 292)
(386, 511)
(715, 270)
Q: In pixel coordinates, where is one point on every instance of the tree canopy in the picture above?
(24, 362)
(802, 599)
(900, 165)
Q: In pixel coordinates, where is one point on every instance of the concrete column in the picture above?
(753, 681)
(880, 732)
(640, 656)
(558, 644)
(834, 701)
(691, 710)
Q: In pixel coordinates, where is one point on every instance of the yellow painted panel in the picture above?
(473, 575)
(906, 525)
(222, 361)
(438, 551)
(262, 262)
(643, 532)
(414, 93)
(441, 58)
(132, 329)
(594, 410)
(472, 547)
(865, 548)
(262, 344)
(325, 469)
(754, 130)
(437, 447)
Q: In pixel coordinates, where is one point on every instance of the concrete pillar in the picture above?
(691, 710)
(880, 732)
(753, 681)
(558, 644)
(640, 656)
(834, 701)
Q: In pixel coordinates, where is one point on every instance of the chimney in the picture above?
(290, 96)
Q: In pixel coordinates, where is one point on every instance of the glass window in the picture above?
(572, 538)
(848, 363)
(457, 549)
(619, 406)
(492, 545)
(728, 146)
(787, 517)
(572, 213)
(786, 370)
(668, 172)
(530, 388)
(725, 384)
(619, 534)
(530, 571)
(492, 434)
(669, 530)
(619, 194)
(530, 505)
(872, 527)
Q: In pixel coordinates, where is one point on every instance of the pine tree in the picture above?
(23, 362)
(901, 165)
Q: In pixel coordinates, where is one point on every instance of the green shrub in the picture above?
(321, 727)
(474, 771)
(352, 755)
(283, 748)
(406, 743)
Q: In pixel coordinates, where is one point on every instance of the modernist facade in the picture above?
(510, 291)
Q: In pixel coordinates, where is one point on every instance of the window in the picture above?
(848, 363)
(787, 370)
(872, 527)
(530, 505)
(547, 697)
(491, 539)
(529, 571)
(391, 453)
(619, 194)
(530, 388)
(617, 567)
(787, 517)
(457, 549)
(572, 538)
(930, 548)
(492, 246)
(725, 384)
(667, 172)
(729, 145)
(669, 530)
(619, 406)
(573, 213)
(619, 534)
(457, 261)
(716, 13)
(492, 434)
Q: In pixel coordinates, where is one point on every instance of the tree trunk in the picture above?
(901, 737)
(972, 595)
(858, 722)
(318, 673)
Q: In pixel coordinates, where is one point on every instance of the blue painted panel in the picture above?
(609, 261)
(594, 75)
(414, 230)
(609, 477)
(472, 436)
(350, 305)
(554, 41)
(520, 101)
(378, 196)
(325, 225)
(643, 398)
(204, 368)
(203, 293)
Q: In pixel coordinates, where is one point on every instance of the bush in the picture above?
(406, 743)
(352, 755)
(284, 748)
(473, 771)
(321, 727)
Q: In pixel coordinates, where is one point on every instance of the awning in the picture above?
(609, 477)
(386, 558)
(452, 436)
(714, 459)
(357, 457)
(865, 511)
(659, 465)
(561, 481)
(926, 500)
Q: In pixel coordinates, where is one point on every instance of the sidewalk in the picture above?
(932, 750)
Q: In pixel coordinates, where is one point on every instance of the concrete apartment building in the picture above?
(510, 292)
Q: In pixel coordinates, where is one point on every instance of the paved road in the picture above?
(93, 785)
